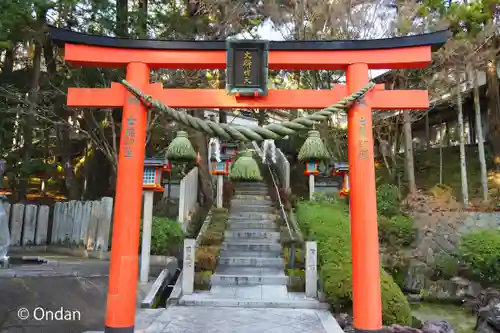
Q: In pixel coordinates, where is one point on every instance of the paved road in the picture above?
(187, 319)
(72, 284)
(85, 295)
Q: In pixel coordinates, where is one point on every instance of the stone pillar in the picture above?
(147, 224)
(188, 266)
(220, 186)
(311, 187)
(311, 270)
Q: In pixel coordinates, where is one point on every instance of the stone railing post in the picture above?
(311, 270)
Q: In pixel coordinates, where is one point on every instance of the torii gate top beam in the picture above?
(388, 53)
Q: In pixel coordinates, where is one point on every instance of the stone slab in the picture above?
(29, 225)
(42, 225)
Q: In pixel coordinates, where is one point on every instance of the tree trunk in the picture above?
(200, 144)
(8, 62)
(442, 135)
(493, 97)
(463, 166)
(31, 119)
(479, 132)
(427, 132)
(409, 161)
(142, 24)
(121, 18)
(63, 142)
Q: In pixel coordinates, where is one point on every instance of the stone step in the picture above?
(251, 188)
(252, 216)
(250, 185)
(251, 209)
(252, 234)
(253, 292)
(251, 192)
(248, 280)
(245, 224)
(251, 261)
(251, 197)
(258, 245)
(249, 271)
(251, 202)
(248, 254)
(189, 300)
(207, 299)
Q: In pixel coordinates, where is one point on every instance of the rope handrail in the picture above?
(249, 133)
(280, 202)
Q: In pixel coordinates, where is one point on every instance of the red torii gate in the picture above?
(140, 56)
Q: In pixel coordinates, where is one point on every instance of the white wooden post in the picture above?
(147, 224)
(311, 187)
(311, 270)
(220, 185)
(182, 201)
(188, 267)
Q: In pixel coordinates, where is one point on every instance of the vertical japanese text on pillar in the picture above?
(363, 142)
(129, 137)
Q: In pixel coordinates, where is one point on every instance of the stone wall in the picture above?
(441, 231)
(479, 220)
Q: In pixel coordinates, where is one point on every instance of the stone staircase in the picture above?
(250, 270)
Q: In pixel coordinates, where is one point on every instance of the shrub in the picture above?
(206, 258)
(445, 265)
(480, 251)
(388, 200)
(397, 230)
(209, 247)
(167, 237)
(328, 224)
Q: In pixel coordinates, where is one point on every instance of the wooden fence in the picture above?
(74, 223)
(84, 224)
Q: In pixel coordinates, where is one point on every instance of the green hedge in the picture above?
(167, 237)
(328, 224)
(480, 251)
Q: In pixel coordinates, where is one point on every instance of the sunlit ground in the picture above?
(35, 193)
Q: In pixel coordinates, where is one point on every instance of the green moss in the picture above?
(328, 224)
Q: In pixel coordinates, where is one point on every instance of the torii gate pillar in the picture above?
(124, 264)
(363, 206)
